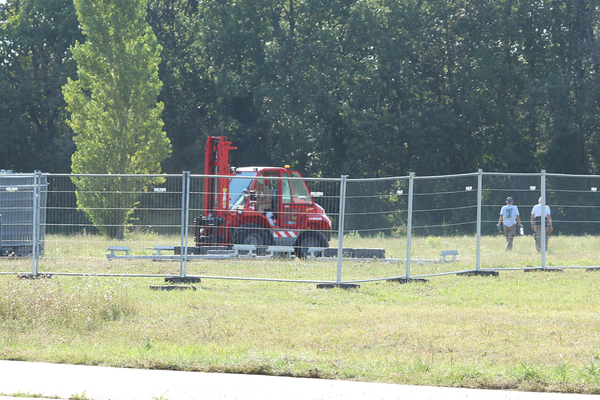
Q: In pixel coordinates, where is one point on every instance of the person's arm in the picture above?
(518, 219)
(500, 219)
(550, 221)
(532, 226)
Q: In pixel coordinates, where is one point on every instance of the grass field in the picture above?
(536, 331)
(87, 254)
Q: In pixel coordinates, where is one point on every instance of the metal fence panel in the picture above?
(376, 215)
(17, 210)
(87, 214)
(444, 224)
(419, 224)
(574, 203)
(525, 189)
(400, 227)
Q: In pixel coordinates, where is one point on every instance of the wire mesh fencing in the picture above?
(310, 230)
(146, 225)
(419, 222)
(90, 217)
(573, 205)
(21, 216)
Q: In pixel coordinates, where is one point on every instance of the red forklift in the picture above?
(260, 206)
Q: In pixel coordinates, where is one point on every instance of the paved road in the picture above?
(103, 383)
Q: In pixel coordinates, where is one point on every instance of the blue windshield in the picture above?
(238, 187)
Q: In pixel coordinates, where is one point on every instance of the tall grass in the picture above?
(74, 305)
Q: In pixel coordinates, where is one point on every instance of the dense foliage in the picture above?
(359, 87)
(113, 107)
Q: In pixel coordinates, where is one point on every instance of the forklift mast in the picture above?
(216, 162)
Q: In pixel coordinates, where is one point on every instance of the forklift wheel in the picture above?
(308, 240)
(252, 234)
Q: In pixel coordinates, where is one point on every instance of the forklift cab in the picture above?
(288, 196)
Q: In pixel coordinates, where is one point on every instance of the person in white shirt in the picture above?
(509, 215)
(536, 223)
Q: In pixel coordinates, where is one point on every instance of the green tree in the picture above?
(114, 109)
(188, 93)
(570, 86)
(35, 61)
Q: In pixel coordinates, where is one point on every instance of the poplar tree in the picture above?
(115, 115)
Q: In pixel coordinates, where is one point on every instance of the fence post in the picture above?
(187, 218)
(185, 175)
(34, 227)
(341, 228)
(479, 194)
(39, 222)
(409, 222)
(543, 219)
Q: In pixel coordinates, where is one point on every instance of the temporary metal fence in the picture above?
(21, 216)
(409, 227)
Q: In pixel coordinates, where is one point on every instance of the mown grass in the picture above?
(526, 331)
